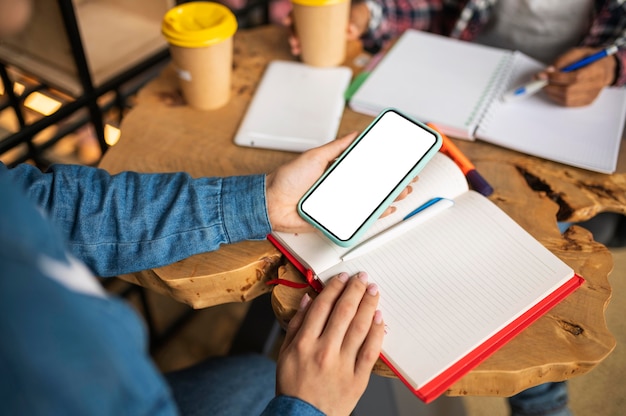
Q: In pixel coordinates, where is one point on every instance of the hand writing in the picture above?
(331, 345)
(582, 86)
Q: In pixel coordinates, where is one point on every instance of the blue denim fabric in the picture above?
(68, 348)
(287, 405)
(548, 399)
(65, 351)
(207, 389)
(130, 221)
(225, 386)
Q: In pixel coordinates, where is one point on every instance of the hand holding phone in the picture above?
(368, 176)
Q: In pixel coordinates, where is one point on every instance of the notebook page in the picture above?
(434, 79)
(441, 177)
(454, 282)
(586, 137)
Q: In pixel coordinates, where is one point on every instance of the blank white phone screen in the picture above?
(373, 168)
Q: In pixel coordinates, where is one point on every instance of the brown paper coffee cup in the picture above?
(200, 35)
(321, 27)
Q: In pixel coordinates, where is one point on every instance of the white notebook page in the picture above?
(441, 177)
(434, 79)
(454, 282)
(587, 137)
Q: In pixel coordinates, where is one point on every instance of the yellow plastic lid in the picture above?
(198, 24)
(317, 2)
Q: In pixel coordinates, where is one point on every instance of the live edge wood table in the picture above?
(161, 134)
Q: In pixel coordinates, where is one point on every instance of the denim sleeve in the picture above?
(287, 405)
(132, 221)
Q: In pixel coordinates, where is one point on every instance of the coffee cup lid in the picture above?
(198, 24)
(317, 2)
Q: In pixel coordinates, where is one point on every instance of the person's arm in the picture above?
(582, 86)
(608, 27)
(131, 221)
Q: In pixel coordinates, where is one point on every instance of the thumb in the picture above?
(332, 150)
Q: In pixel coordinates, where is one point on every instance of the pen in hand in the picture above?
(536, 85)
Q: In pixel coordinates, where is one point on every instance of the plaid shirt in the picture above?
(464, 19)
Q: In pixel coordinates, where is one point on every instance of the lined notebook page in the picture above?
(441, 177)
(454, 282)
(588, 137)
(420, 76)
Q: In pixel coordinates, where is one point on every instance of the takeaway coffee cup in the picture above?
(321, 26)
(200, 35)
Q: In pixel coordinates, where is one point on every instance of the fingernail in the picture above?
(372, 289)
(304, 302)
(362, 276)
(378, 317)
(343, 277)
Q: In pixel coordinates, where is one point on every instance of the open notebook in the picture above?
(458, 86)
(461, 282)
(295, 107)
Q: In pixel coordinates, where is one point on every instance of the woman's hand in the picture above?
(286, 185)
(331, 345)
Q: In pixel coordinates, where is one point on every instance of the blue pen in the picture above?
(534, 86)
(429, 209)
(422, 207)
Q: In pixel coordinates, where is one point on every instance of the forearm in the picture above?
(607, 28)
(129, 222)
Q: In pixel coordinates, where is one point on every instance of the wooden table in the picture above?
(161, 134)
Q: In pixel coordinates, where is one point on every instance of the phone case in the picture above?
(392, 196)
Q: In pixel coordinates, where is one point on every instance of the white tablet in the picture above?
(296, 107)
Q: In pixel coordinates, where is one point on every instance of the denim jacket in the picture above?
(130, 222)
(66, 347)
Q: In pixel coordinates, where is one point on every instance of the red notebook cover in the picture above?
(443, 381)
(436, 387)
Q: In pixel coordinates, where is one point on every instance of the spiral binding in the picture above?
(495, 88)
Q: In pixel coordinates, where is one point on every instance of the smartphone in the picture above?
(368, 176)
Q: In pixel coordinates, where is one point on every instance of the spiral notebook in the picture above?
(458, 85)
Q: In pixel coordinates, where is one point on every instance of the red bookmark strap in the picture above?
(288, 283)
(313, 282)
